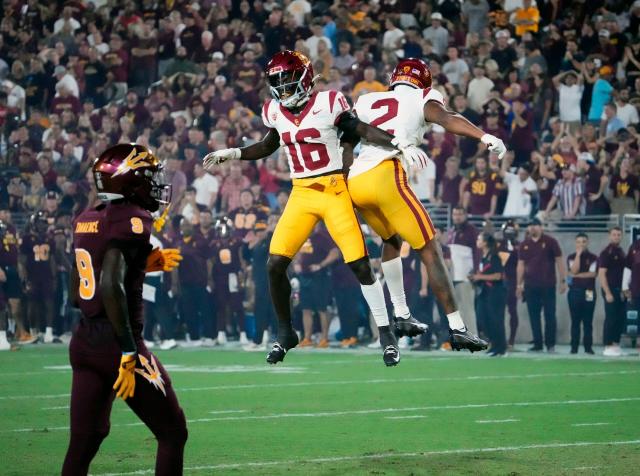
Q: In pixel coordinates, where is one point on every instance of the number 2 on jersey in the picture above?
(87, 288)
(391, 105)
(306, 149)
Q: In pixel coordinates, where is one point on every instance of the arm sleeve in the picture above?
(557, 252)
(265, 114)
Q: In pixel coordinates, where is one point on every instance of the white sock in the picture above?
(455, 321)
(374, 295)
(265, 337)
(392, 270)
(3, 336)
(48, 331)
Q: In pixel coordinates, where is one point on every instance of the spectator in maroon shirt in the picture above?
(49, 175)
(248, 70)
(523, 139)
(480, 195)
(595, 184)
(611, 264)
(134, 110)
(625, 189)
(452, 184)
(65, 102)
(117, 59)
(440, 149)
(539, 256)
(190, 37)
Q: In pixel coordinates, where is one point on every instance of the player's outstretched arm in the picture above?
(352, 126)
(457, 124)
(267, 146)
(115, 304)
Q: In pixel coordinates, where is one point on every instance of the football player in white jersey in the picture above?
(307, 125)
(379, 189)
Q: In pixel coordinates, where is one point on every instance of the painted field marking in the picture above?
(273, 416)
(363, 382)
(221, 412)
(591, 424)
(508, 420)
(338, 459)
(407, 417)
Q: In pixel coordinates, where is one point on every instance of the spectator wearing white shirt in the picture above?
(479, 88)
(392, 38)
(521, 188)
(65, 80)
(206, 185)
(570, 89)
(299, 9)
(456, 70)
(626, 112)
(318, 36)
(437, 34)
(423, 181)
(66, 19)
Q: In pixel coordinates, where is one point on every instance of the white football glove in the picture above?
(494, 145)
(412, 155)
(220, 156)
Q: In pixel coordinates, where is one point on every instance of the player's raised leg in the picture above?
(293, 228)
(344, 228)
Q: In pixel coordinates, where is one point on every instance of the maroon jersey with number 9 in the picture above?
(126, 227)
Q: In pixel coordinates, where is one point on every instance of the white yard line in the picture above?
(219, 412)
(422, 454)
(591, 424)
(467, 378)
(275, 416)
(508, 420)
(407, 417)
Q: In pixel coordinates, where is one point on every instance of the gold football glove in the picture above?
(163, 260)
(126, 382)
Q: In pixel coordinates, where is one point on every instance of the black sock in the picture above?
(386, 337)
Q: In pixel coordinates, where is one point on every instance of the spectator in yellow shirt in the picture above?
(526, 18)
(368, 85)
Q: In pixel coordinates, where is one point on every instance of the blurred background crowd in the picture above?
(558, 81)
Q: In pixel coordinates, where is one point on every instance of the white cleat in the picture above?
(612, 351)
(168, 344)
(243, 338)
(149, 344)
(222, 338)
(253, 347)
(209, 342)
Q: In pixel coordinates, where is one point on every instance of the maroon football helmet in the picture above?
(290, 78)
(132, 172)
(413, 72)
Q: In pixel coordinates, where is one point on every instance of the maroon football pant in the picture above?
(95, 357)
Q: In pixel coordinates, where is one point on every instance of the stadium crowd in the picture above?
(558, 81)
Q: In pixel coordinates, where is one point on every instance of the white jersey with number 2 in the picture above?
(310, 138)
(399, 112)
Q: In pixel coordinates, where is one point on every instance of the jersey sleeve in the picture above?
(265, 114)
(337, 105)
(430, 94)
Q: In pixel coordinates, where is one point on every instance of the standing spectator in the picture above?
(144, 60)
(611, 264)
(491, 293)
(349, 307)
(625, 190)
(595, 184)
(521, 190)
(582, 293)
(316, 255)
(508, 252)
(392, 38)
(568, 194)
(345, 59)
(368, 85)
(423, 182)
(475, 13)
(247, 214)
(627, 113)
(67, 81)
(232, 185)
(228, 281)
(258, 252)
(503, 53)
(570, 89)
(526, 18)
(452, 184)
(189, 285)
(539, 256)
(480, 196)
(456, 70)
(479, 88)
(610, 123)
(317, 37)
(523, 138)
(601, 95)
(206, 186)
(437, 34)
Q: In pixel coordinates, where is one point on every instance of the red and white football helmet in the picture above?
(290, 78)
(413, 72)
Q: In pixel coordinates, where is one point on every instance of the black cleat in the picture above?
(466, 340)
(278, 351)
(410, 327)
(391, 355)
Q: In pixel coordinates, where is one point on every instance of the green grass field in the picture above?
(344, 413)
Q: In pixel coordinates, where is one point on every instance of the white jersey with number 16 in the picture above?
(399, 112)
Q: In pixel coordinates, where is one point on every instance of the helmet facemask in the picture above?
(154, 191)
(288, 89)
